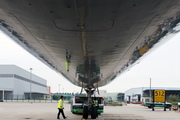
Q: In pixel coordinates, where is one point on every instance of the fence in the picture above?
(24, 98)
(35, 98)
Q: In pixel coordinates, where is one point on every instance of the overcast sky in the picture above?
(161, 65)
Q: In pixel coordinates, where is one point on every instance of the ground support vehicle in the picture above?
(78, 105)
(167, 105)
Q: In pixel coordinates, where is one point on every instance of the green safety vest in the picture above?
(59, 105)
(67, 64)
(95, 103)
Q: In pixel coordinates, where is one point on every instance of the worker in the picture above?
(60, 107)
(105, 102)
(96, 105)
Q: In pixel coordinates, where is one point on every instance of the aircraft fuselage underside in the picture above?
(89, 42)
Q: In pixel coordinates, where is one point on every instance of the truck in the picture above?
(78, 103)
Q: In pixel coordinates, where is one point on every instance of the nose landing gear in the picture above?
(88, 107)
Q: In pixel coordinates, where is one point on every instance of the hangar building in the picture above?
(15, 81)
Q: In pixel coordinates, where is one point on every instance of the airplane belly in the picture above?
(88, 42)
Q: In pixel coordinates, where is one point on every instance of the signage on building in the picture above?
(159, 95)
(49, 90)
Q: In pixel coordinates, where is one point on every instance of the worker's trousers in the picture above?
(60, 111)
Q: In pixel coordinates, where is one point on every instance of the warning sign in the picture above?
(159, 95)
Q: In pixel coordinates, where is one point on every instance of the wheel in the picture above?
(93, 113)
(169, 107)
(85, 112)
(151, 106)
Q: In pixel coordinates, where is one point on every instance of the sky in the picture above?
(161, 65)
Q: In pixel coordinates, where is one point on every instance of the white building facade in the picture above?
(17, 81)
(133, 94)
(142, 94)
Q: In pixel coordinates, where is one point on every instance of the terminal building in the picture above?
(142, 94)
(17, 82)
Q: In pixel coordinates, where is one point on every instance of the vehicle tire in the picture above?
(93, 113)
(85, 112)
(151, 106)
(169, 107)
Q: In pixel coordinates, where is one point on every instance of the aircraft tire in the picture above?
(93, 113)
(85, 112)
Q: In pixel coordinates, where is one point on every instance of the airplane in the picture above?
(89, 42)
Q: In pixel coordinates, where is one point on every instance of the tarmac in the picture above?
(48, 111)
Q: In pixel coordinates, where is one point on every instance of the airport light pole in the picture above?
(30, 80)
(59, 88)
(150, 89)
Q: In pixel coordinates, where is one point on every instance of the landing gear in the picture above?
(89, 108)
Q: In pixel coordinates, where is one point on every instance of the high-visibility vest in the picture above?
(59, 105)
(67, 64)
(95, 103)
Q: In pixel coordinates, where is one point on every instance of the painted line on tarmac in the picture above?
(123, 119)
